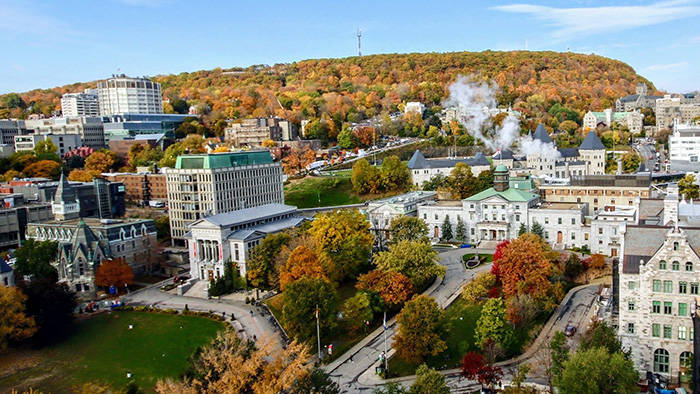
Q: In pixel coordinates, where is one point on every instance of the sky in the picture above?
(52, 43)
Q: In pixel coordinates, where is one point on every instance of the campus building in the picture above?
(141, 187)
(63, 142)
(80, 104)
(587, 159)
(208, 184)
(252, 132)
(633, 120)
(228, 237)
(640, 100)
(381, 212)
(423, 169)
(121, 95)
(90, 129)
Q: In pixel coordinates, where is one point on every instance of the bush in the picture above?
(226, 284)
(479, 288)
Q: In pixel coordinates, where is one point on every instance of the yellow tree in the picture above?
(100, 162)
(524, 267)
(268, 143)
(79, 175)
(421, 330)
(15, 325)
(43, 169)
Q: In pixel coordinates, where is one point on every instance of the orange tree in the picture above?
(524, 268)
(44, 169)
(115, 272)
(302, 262)
(15, 323)
(393, 287)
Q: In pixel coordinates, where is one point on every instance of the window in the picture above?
(656, 330)
(675, 246)
(573, 220)
(676, 266)
(682, 333)
(558, 220)
(546, 220)
(682, 309)
(631, 285)
(688, 266)
(694, 288)
(661, 361)
(656, 307)
(656, 285)
(668, 286)
(687, 360)
(630, 306)
(630, 328)
(668, 308)
(683, 287)
(662, 264)
(668, 331)
(600, 230)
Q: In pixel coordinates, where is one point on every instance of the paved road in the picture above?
(257, 325)
(646, 150)
(350, 372)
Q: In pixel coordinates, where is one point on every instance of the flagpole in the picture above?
(318, 335)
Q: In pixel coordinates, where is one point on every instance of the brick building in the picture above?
(141, 187)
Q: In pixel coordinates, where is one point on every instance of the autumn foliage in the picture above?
(597, 261)
(420, 330)
(497, 255)
(297, 160)
(524, 267)
(115, 272)
(43, 169)
(302, 262)
(394, 287)
(15, 324)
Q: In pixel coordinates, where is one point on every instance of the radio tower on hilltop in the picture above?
(359, 42)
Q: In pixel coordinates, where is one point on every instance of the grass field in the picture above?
(305, 193)
(103, 349)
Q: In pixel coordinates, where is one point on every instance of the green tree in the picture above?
(428, 381)
(13, 100)
(436, 182)
(408, 228)
(559, 351)
(537, 229)
(52, 305)
(595, 370)
(356, 310)
(231, 280)
(34, 259)
(415, 259)
(46, 150)
(461, 182)
(630, 162)
(446, 230)
(162, 224)
(688, 188)
(493, 324)
(390, 388)
(420, 330)
(171, 154)
(483, 181)
(522, 230)
(346, 138)
(262, 271)
(317, 381)
(601, 335)
(461, 232)
(299, 302)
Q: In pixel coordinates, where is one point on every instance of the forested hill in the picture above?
(353, 88)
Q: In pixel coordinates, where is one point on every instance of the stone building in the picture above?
(381, 212)
(640, 100)
(252, 132)
(209, 184)
(587, 159)
(633, 120)
(228, 237)
(423, 169)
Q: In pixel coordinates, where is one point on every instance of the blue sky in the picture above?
(51, 43)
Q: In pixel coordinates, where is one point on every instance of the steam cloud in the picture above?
(474, 100)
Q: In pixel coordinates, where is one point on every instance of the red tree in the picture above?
(475, 367)
(497, 255)
(394, 287)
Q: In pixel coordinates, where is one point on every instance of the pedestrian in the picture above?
(223, 314)
(351, 360)
(251, 312)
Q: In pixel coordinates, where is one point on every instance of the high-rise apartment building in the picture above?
(208, 184)
(121, 94)
(80, 104)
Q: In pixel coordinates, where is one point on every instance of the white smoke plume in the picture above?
(473, 100)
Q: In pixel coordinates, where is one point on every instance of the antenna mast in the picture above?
(359, 42)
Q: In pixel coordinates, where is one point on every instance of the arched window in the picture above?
(662, 264)
(688, 266)
(676, 266)
(661, 361)
(687, 360)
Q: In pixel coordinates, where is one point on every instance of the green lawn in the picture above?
(461, 321)
(305, 193)
(103, 349)
(485, 258)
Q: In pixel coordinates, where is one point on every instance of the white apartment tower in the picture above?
(80, 104)
(202, 185)
(121, 94)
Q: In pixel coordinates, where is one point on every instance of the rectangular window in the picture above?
(656, 285)
(600, 230)
(668, 308)
(683, 287)
(656, 307)
(668, 331)
(631, 285)
(694, 288)
(668, 286)
(682, 309)
(573, 220)
(682, 333)
(656, 330)
(558, 220)
(630, 306)
(630, 328)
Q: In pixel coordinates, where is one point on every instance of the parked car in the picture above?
(570, 330)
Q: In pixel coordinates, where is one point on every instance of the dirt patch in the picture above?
(15, 360)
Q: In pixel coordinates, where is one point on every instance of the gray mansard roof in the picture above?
(542, 135)
(568, 152)
(642, 243)
(418, 161)
(592, 142)
(246, 215)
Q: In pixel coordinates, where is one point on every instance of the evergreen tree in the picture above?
(537, 229)
(461, 233)
(523, 229)
(446, 230)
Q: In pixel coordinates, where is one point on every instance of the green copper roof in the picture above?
(501, 168)
(223, 160)
(509, 194)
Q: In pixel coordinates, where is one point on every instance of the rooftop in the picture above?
(406, 197)
(249, 214)
(562, 206)
(419, 161)
(92, 222)
(591, 142)
(510, 194)
(223, 160)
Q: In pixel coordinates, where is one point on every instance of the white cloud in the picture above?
(667, 67)
(572, 22)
